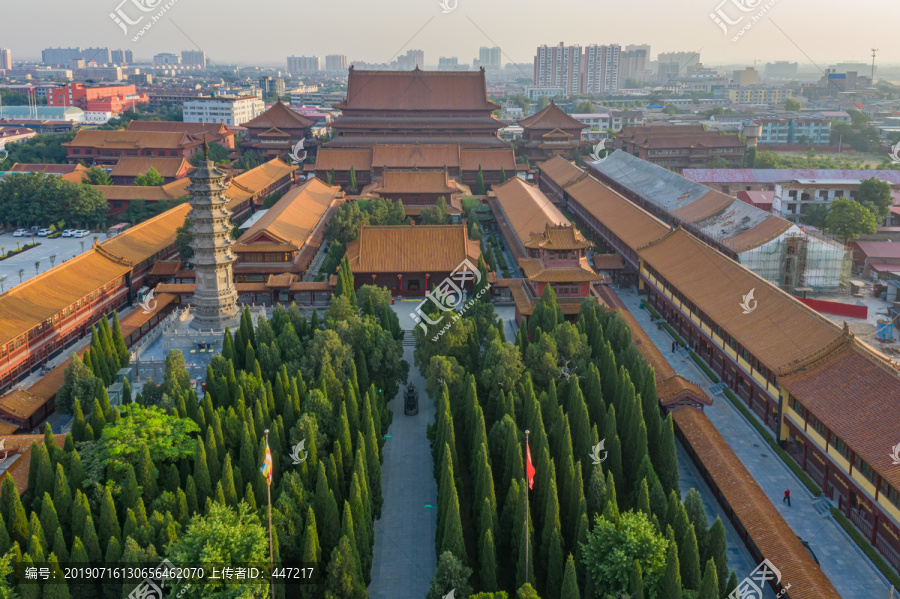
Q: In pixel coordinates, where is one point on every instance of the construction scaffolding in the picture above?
(801, 260)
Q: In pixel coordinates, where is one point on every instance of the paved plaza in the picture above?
(64, 248)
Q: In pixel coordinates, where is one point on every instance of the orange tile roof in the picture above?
(280, 116)
(293, 219)
(421, 248)
(76, 177)
(712, 202)
(49, 384)
(551, 117)
(176, 288)
(33, 302)
(20, 404)
(421, 90)
(609, 262)
(165, 268)
(50, 169)
(192, 129)
(765, 526)
(399, 182)
(148, 238)
(536, 271)
(853, 375)
(311, 286)
(132, 166)
(7, 428)
(249, 183)
(341, 159)
(779, 331)
(137, 318)
(21, 444)
(526, 208)
(129, 140)
(561, 171)
(169, 191)
(283, 280)
(415, 156)
(767, 230)
(628, 222)
(489, 159)
(562, 237)
(261, 248)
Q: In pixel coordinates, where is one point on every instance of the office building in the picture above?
(336, 64)
(489, 58)
(600, 70)
(121, 56)
(166, 58)
(60, 56)
(412, 60)
(794, 131)
(759, 95)
(303, 65)
(271, 85)
(5, 59)
(193, 58)
(748, 76)
(781, 69)
(230, 110)
(113, 99)
(451, 63)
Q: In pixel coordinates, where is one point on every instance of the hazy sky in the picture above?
(266, 31)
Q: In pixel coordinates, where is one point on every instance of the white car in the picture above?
(20, 233)
(68, 232)
(44, 232)
(81, 233)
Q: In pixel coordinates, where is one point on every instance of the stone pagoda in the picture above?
(215, 297)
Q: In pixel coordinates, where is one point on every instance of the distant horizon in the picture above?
(377, 32)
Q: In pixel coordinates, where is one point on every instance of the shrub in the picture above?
(870, 551)
(674, 335)
(703, 366)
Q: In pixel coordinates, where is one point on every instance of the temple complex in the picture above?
(550, 132)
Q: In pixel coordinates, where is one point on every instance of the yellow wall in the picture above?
(889, 507)
(837, 457)
(815, 437)
(790, 413)
(863, 482)
(744, 364)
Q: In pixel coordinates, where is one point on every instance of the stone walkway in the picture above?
(404, 559)
(851, 573)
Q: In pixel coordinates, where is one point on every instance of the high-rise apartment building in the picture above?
(336, 64)
(412, 60)
(634, 62)
(489, 58)
(166, 58)
(121, 56)
(671, 64)
(558, 66)
(450, 63)
(98, 55)
(600, 71)
(5, 58)
(303, 65)
(193, 58)
(271, 85)
(53, 56)
(781, 69)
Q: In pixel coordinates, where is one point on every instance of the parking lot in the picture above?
(64, 248)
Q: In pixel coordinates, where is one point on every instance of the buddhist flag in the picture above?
(529, 467)
(267, 465)
(859, 106)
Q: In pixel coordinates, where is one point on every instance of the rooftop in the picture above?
(416, 90)
(418, 248)
(771, 175)
(292, 219)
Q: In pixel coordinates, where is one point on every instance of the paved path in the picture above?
(404, 559)
(851, 573)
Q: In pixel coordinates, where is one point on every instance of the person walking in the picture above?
(673, 347)
(787, 497)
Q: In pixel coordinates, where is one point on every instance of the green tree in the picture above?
(569, 589)
(792, 105)
(613, 545)
(437, 214)
(97, 176)
(344, 580)
(351, 183)
(670, 583)
(877, 196)
(222, 535)
(451, 573)
(709, 587)
(151, 178)
(479, 188)
(848, 219)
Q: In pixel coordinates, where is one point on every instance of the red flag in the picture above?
(529, 467)
(859, 106)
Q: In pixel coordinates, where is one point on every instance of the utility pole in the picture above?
(874, 50)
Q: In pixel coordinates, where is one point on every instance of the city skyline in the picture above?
(463, 30)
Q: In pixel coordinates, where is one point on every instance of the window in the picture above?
(864, 469)
(797, 407)
(841, 447)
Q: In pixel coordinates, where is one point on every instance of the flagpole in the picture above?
(526, 509)
(271, 544)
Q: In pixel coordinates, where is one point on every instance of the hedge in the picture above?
(866, 547)
(674, 335)
(18, 250)
(787, 459)
(650, 309)
(706, 369)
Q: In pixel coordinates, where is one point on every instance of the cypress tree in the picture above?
(667, 468)
(716, 549)
(555, 566)
(28, 590)
(5, 542)
(113, 551)
(49, 518)
(146, 473)
(614, 462)
(228, 487)
(109, 521)
(693, 506)
(201, 475)
(78, 424)
(98, 421)
(91, 543)
(635, 581)
(689, 558)
(452, 540)
(642, 502)
(250, 497)
(181, 507)
(731, 584)
(35, 533)
(18, 521)
(34, 466)
(479, 182)
(59, 545)
(709, 587)
(488, 561)
(328, 520)
(569, 588)
(596, 493)
(212, 456)
(579, 421)
(190, 494)
(669, 585)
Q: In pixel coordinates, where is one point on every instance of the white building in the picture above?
(230, 110)
(303, 65)
(794, 197)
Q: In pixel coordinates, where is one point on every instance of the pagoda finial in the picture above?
(205, 150)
